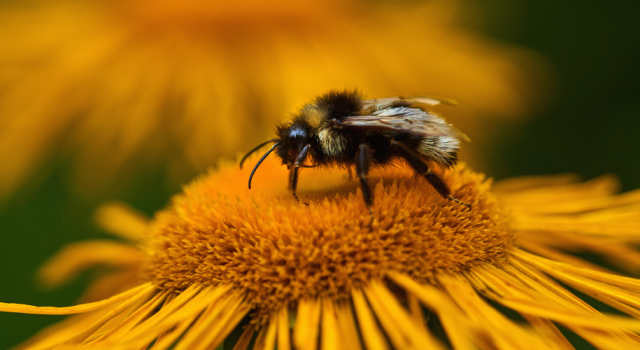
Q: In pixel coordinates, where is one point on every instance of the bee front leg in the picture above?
(293, 179)
(364, 158)
(423, 169)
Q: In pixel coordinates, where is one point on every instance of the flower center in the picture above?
(278, 250)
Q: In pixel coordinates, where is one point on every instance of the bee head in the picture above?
(293, 137)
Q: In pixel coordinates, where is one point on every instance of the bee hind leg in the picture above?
(423, 169)
(364, 158)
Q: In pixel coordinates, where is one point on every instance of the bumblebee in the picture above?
(343, 129)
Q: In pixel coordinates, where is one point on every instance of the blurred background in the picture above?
(126, 100)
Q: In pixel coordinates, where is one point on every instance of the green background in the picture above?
(590, 127)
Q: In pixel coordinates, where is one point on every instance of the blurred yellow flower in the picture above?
(221, 256)
(118, 85)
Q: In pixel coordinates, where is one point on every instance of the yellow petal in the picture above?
(77, 257)
(245, 338)
(133, 293)
(349, 335)
(371, 333)
(284, 343)
(330, 332)
(122, 220)
(305, 332)
(404, 333)
(451, 317)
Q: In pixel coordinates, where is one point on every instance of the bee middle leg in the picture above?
(364, 158)
(293, 178)
(423, 169)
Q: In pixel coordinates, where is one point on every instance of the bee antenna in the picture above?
(261, 159)
(255, 149)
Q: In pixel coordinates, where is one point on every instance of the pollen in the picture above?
(277, 251)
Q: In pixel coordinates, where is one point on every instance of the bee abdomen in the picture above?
(441, 149)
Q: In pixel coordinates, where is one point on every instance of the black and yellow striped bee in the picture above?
(342, 129)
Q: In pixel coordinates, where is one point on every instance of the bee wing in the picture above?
(427, 100)
(402, 119)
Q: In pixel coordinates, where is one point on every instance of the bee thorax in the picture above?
(333, 143)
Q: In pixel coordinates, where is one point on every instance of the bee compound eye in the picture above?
(297, 136)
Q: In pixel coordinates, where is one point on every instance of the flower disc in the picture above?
(278, 251)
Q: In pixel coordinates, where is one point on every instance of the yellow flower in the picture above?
(427, 274)
(116, 85)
